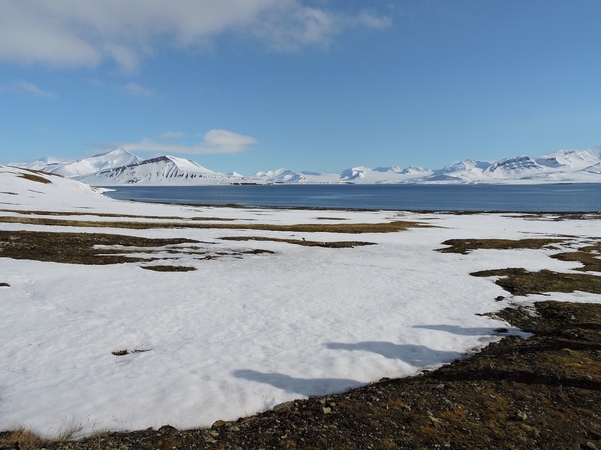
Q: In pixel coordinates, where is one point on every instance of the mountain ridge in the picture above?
(121, 167)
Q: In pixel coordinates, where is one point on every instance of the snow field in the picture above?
(241, 335)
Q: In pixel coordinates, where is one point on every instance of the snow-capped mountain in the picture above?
(281, 176)
(97, 163)
(168, 170)
(122, 167)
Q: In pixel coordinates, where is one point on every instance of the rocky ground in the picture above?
(538, 393)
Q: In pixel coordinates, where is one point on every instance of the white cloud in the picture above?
(215, 141)
(227, 141)
(136, 89)
(300, 27)
(88, 32)
(370, 19)
(24, 87)
(172, 135)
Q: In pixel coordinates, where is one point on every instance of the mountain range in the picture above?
(120, 167)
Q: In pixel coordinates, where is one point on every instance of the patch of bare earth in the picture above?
(304, 242)
(351, 228)
(77, 248)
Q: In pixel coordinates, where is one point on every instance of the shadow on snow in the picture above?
(303, 386)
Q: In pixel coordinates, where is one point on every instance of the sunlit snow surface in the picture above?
(238, 336)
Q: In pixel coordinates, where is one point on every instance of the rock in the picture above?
(218, 424)
(327, 410)
(285, 405)
(432, 418)
(167, 429)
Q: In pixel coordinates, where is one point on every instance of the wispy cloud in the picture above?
(87, 32)
(25, 87)
(136, 89)
(214, 142)
(172, 135)
(371, 19)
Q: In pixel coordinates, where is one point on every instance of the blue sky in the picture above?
(322, 85)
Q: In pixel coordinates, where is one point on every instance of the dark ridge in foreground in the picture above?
(538, 393)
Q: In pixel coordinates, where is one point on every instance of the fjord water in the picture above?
(474, 197)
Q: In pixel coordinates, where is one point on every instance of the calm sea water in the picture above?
(479, 197)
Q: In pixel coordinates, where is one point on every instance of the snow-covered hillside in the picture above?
(121, 167)
(97, 163)
(163, 170)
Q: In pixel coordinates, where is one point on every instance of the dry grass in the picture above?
(123, 216)
(101, 249)
(163, 268)
(350, 228)
(21, 439)
(587, 256)
(338, 244)
(519, 281)
(464, 246)
(36, 178)
(77, 248)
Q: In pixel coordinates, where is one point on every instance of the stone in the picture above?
(167, 429)
(285, 405)
(218, 424)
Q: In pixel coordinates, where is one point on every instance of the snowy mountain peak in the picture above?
(354, 173)
(573, 159)
(86, 166)
(412, 170)
(395, 169)
(281, 176)
(162, 170)
(466, 164)
(513, 166)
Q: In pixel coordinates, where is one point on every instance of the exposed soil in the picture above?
(464, 246)
(77, 248)
(519, 281)
(304, 242)
(351, 228)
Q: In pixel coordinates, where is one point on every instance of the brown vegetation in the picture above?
(336, 244)
(35, 178)
(351, 228)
